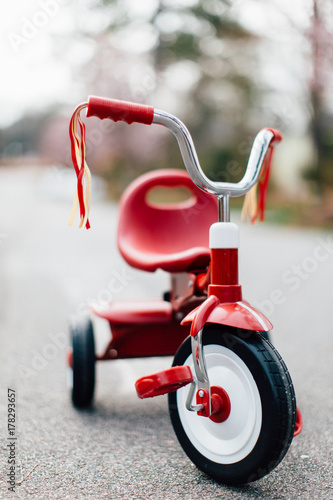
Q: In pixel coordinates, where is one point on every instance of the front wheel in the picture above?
(259, 429)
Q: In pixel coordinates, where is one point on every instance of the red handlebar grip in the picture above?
(277, 136)
(128, 112)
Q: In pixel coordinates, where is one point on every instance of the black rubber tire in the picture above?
(266, 336)
(277, 413)
(83, 361)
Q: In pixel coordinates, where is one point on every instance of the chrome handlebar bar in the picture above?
(259, 149)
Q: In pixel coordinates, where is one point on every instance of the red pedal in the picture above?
(163, 382)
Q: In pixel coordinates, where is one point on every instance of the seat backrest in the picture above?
(150, 232)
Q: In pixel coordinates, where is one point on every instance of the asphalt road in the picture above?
(125, 448)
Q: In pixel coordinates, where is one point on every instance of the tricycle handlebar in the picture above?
(130, 112)
(265, 138)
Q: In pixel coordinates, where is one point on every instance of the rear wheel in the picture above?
(83, 362)
(259, 429)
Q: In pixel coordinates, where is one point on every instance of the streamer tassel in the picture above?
(77, 134)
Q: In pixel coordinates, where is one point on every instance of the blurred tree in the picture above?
(320, 36)
(189, 57)
(21, 138)
(305, 62)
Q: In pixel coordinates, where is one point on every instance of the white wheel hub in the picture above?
(230, 441)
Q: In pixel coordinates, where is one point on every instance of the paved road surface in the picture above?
(125, 448)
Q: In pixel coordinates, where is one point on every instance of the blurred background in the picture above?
(225, 68)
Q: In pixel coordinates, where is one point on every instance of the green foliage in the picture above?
(183, 46)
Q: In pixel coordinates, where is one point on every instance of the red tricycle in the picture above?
(231, 399)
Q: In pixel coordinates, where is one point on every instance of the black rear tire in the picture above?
(83, 361)
(258, 432)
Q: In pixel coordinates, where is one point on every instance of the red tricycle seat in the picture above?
(173, 237)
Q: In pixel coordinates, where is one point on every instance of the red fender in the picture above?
(237, 314)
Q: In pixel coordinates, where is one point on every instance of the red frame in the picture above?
(150, 334)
